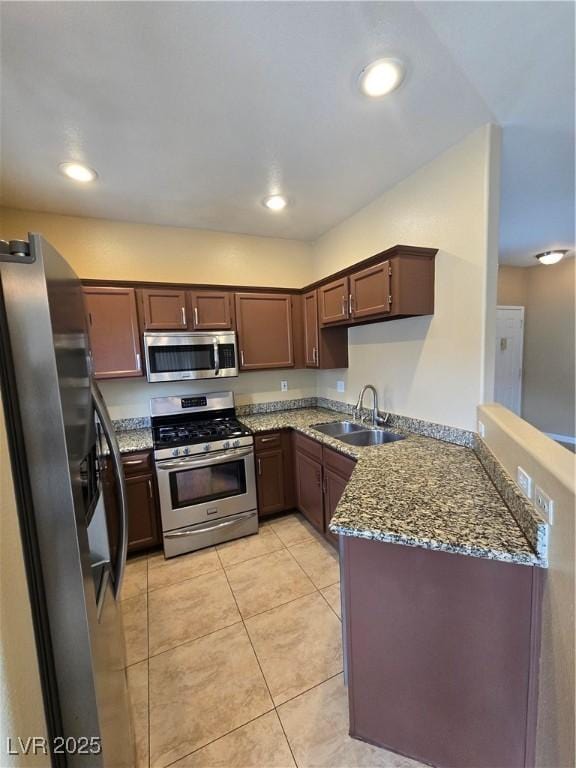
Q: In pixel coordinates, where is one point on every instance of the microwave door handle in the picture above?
(108, 429)
(216, 357)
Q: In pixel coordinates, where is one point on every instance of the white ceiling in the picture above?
(193, 112)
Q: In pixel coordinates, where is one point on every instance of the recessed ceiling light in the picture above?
(551, 257)
(78, 172)
(275, 203)
(381, 77)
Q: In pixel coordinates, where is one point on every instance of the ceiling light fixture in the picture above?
(381, 77)
(275, 203)
(78, 172)
(551, 257)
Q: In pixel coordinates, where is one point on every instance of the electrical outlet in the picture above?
(339, 386)
(544, 504)
(524, 481)
(481, 428)
(284, 385)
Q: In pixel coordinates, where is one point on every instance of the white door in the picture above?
(509, 345)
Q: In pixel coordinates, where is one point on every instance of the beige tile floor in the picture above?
(235, 657)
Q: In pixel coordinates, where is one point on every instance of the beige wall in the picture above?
(126, 398)
(119, 250)
(512, 286)
(435, 368)
(548, 294)
(515, 442)
(21, 708)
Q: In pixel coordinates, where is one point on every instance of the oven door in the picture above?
(179, 356)
(196, 489)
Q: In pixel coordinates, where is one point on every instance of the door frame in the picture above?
(522, 311)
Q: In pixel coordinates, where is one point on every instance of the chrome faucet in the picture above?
(377, 420)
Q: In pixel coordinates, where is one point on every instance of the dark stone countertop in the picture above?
(417, 492)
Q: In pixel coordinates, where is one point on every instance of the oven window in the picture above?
(202, 484)
(196, 357)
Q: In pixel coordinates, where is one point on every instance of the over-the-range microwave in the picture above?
(190, 355)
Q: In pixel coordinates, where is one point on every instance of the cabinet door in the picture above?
(370, 291)
(334, 486)
(265, 330)
(309, 489)
(334, 300)
(311, 352)
(270, 481)
(211, 310)
(113, 331)
(164, 309)
(143, 529)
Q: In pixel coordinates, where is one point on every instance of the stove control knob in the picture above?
(186, 451)
(175, 452)
(236, 444)
(206, 448)
(226, 444)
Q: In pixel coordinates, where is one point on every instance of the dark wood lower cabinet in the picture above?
(309, 489)
(144, 526)
(143, 529)
(274, 473)
(334, 486)
(270, 481)
(442, 653)
(321, 476)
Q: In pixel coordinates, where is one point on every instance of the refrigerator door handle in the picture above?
(108, 429)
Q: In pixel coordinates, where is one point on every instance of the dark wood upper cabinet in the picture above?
(370, 291)
(311, 330)
(264, 322)
(210, 310)
(323, 347)
(164, 309)
(333, 300)
(113, 331)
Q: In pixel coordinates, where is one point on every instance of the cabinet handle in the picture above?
(350, 304)
(196, 316)
(138, 363)
(266, 439)
(259, 466)
(241, 357)
(150, 494)
(183, 315)
(344, 306)
(314, 355)
(132, 462)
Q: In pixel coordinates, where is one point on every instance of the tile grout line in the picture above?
(148, 659)
(259, 665)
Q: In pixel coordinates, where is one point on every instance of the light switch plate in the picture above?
(524, 482)
(544, 504)
(339, 386)
(284, 385)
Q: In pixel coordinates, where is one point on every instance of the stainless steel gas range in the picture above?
(205, 467)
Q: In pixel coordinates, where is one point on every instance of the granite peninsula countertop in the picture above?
(418, 492)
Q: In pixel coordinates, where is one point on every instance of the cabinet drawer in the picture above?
(338, 463)
(265, 442)
(137, 463)
(308, 446)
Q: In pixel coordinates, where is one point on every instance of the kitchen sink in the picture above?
(369, 437)
(337, 428)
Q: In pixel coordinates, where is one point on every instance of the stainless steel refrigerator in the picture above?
(58, 433)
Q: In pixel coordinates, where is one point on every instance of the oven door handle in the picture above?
(205, 461)
(197, 531)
